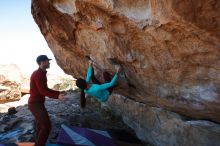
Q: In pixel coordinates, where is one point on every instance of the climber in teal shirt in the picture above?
(96, 89)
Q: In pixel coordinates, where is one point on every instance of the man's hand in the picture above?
(62, 95)
(63, 92)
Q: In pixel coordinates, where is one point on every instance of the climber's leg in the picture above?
(108, 77)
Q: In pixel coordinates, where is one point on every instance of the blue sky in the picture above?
(20, 38)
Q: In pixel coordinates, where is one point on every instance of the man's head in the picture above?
(43, 61)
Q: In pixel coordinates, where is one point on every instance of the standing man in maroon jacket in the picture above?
(38, 91)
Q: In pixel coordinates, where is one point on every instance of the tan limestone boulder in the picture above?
(169, 50)
(10, 83)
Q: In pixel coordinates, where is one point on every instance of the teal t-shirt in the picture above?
(99, 91)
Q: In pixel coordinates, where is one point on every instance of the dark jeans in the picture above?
(107, 78)
(42, 121)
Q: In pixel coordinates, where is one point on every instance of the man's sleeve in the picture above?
(89, 74)
(41, 82)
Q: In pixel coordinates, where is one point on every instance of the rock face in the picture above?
(163, 128)
(169, 50)
(10, 83)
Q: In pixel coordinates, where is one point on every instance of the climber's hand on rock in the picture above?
(90, 63)
(119, 69)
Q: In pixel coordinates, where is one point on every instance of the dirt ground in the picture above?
(67, 112)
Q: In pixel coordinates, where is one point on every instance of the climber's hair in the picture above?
(81, 83)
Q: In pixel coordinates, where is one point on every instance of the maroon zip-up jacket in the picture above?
(39, 89)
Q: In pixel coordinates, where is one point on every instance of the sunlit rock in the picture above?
(163, 128)
(10, 83)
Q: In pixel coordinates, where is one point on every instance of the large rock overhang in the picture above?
(169, 49)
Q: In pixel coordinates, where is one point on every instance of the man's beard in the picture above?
(47, 66)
